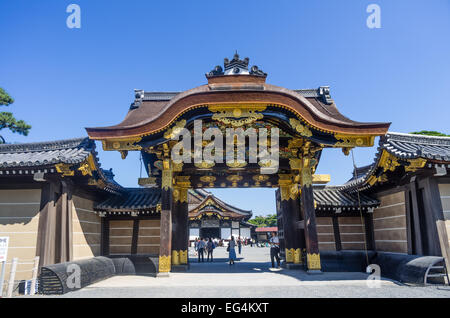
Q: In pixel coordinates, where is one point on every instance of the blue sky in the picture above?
(66, 79)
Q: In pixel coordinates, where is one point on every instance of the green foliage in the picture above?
(8, 121)
(430, 133)
(262, 221)
(5, 99)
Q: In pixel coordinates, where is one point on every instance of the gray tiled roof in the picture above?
(71, 151)
(410, 146)
(132, 199)
(334, 197)
(403, 146)
(167, 96)
(159, 96)
(205, 194)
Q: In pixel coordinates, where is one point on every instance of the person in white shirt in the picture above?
(201, 249)
(274, 249)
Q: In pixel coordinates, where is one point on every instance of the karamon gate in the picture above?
(238, 97)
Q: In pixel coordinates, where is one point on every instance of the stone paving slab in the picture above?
(251, 277)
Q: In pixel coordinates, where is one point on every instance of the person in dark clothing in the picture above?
(239, 244)
(209, 249)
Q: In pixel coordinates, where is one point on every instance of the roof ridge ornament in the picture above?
(236, 67)
(138, 98)
(324, 94)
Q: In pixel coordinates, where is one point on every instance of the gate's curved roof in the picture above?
(153, 112)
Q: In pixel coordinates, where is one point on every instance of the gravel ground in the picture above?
(251, 277)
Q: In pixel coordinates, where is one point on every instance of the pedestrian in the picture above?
(239, 244)
(209, 249)
(196, 246)
(231, 251)
(251, 243)
(275, 249)
(201, 249)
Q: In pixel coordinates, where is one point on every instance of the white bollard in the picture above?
(34, 277)
(12, 276)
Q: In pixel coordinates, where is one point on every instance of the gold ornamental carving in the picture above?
(260, 178)
(177, 167)
(208, 179)
(122, 144)
(295, 163)
(415, 164)
(87, 166)
(64, 169)
(313, 261)
(288, 189)
(236, 164)
(388, 162)
(234, 179)
(237, 115)
(171, 133)
(300, 128)
(164, 263)
(204, 165)
(180, 194)
(354, 140)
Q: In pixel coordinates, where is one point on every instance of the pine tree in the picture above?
(7, 120)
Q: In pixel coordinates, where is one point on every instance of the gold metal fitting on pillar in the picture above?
(297, 256)
(288, 189)
(164, 263)
(289, 255)
(306, 173)
(167, 175)
(313, 261)
(183, 257)
(175, 258)
(182, 185)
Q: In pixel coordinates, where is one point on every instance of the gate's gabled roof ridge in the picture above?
(152, 113)
(234, 83)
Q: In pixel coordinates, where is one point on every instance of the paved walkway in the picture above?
(250, 277)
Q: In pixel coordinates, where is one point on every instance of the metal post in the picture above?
(34, 277)
(2, 278)
(12, 276)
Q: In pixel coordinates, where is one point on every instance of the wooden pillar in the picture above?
(45, 247)
(165, 246)
(308, 212)
(180, 226)
(64, 236)
(135, 237)
(184, 228)
(368, 220)
(105, 236)
(337, 233)
(418, 246)
(290, 215)
(175, 226)
(54, 239)
(280, 223)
